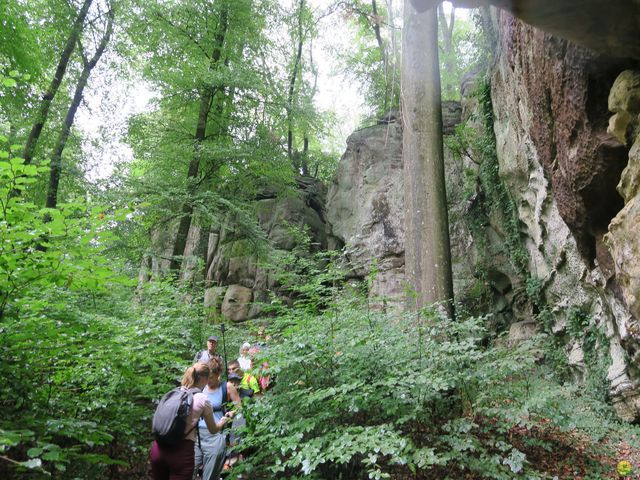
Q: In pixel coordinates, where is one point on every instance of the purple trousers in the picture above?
(172, 463)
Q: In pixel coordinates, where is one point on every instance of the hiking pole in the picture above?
(224, 350)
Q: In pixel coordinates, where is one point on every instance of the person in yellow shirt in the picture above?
(249, 385)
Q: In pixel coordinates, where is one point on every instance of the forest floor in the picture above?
(557, 455)
(575, 456)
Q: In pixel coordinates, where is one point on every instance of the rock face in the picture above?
(239, 280)
(606, 27)
(231, 261)
(561, 166)
(622, 238)
(364, 207)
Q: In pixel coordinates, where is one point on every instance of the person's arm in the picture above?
(212, 425)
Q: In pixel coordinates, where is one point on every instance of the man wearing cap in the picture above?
(210, 352)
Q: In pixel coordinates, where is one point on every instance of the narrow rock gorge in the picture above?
(542, 160)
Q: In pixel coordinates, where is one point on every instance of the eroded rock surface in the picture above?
(365, 205)
(623, 239)
(232, 263)
(561, 166)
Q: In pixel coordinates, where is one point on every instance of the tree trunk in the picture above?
(383, 54)
(427, 250)
(56, 157)
(50, 93)
(206, 98)
(292, 83)
(446, 28)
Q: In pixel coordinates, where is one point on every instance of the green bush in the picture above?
(369, 395)
(81, 365)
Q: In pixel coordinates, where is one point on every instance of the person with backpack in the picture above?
(175, 426)
(210, 452)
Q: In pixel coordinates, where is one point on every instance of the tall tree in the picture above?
(376, 67)
(301, 114)
(211, 140)
(88, 64)
(448, 48)
(295, 72)
(427, 249)
(207, 94)
(52, 90)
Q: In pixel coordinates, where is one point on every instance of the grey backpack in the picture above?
(170, 418)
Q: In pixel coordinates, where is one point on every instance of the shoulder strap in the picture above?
(190, 393)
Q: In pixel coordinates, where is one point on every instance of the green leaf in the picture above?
(14, 73)
(53, 455)
(34, 452)
(9, 82)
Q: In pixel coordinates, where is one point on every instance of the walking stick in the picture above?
(224, 350)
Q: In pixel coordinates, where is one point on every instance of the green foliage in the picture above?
(308, 276)
(42, 248)
(367, 395)
(81, 371)
(458, 54)
(71, 341)
(375, 67)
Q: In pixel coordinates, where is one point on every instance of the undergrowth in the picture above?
(370, 395)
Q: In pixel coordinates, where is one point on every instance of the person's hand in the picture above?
(230, 414)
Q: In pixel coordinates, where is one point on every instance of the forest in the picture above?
(419, 217)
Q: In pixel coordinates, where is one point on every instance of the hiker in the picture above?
(239, 422)
(210, 452)
(249, 385)
(264, 380)
(210, 352)
(244, 359)
(176, 461)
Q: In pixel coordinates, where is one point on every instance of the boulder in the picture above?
(521, 331)
(213, 297)
(237, 303)
(234, 259)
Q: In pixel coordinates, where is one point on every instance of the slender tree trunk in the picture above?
(187, 208)
(50, 93)
(427, 250)
(292, 84)
(206, 98)
(305, 143)
(56, 157)
(446, 28)
(383, 54)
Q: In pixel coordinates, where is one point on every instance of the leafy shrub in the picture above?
(370, 395)
(81, 365)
